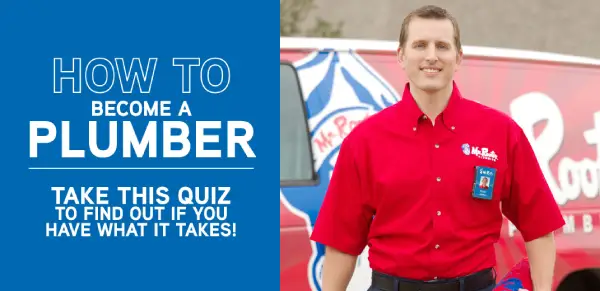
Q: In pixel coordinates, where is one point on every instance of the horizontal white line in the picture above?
(341, 44)
(141, 168)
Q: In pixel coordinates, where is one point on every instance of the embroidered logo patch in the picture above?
(482, 153)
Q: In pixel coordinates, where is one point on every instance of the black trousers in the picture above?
(484, 289)
(382, 282)
(378, 289)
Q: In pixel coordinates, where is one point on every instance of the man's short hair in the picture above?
(430, 12)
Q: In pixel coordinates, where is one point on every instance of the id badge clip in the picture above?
(483, 186)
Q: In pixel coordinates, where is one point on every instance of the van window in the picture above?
(296, 159)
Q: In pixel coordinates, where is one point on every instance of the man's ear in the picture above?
(400, 56)
(459, 57)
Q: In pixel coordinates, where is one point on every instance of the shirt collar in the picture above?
(413, 115)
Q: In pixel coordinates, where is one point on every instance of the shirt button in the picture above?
(438, 179)
(437, 246)
(414, 129)
(439, 213)
(437, 146)
(435, 278)
(452, 127)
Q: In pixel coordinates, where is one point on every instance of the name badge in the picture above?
(483, 186)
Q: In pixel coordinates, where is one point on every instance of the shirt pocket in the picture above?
(475, 212)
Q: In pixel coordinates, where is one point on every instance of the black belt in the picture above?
(473, 282)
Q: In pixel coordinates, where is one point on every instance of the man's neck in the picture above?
(431, 103)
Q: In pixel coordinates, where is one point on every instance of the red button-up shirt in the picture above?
(404, 187)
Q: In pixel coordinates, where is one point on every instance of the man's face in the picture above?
(430, 57)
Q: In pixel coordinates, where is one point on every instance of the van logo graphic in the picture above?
(341, 90)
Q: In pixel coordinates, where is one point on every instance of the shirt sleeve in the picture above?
(529, 205)
(344, 218)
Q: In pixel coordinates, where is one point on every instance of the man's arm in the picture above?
(338, 268)
(542, 257)
(530, 205)
(345, 216)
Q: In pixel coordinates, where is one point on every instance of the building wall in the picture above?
(569, 27)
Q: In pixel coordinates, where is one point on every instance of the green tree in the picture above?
(294, 12)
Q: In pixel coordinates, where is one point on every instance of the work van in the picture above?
(328, 86)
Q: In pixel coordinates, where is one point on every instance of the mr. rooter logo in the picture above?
(341, 90)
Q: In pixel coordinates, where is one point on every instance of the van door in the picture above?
(297, 176)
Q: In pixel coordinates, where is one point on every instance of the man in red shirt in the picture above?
(406, 181)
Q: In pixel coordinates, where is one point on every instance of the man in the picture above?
(405, 181)
(484, 183)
